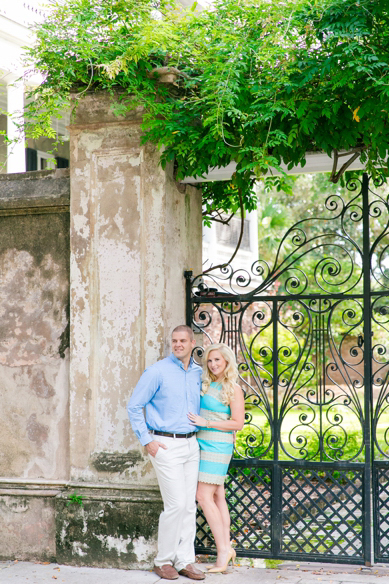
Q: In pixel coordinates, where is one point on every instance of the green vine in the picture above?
(251, 81)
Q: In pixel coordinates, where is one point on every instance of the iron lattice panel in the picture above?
(248, 493)
(322, 513)
(381, 508)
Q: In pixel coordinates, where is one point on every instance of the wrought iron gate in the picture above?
(311, 335)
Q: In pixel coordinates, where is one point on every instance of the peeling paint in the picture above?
(127, 286)
(118, 544)
(108, 533)
(132, 234)
(143, 550)
(79, 549)
(81, 225)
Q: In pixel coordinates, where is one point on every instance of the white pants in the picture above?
(177, 469)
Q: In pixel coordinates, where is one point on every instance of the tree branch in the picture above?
(216, 215)
(335, 176)
(334, 166)
(352, 151)
(239, 240)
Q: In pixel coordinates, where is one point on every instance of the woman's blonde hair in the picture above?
(230, 374)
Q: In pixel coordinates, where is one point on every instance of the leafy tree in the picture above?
(256, 82)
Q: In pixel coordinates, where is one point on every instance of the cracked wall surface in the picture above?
(133, 233)
(34, 359)
(34, 315)
(72, 348)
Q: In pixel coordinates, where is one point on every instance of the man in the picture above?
(168, 391)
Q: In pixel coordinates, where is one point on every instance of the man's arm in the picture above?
(143, 393)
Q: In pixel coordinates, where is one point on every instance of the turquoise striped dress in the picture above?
(216, 446)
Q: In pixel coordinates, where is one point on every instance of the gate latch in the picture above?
(360, 341)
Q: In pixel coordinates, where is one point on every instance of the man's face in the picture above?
(182, 346)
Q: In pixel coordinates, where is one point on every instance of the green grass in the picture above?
(272, 564)
(292, 428)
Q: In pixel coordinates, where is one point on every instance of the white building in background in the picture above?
(16, 16)
(220, 241)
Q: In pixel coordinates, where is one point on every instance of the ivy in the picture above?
(256, 82)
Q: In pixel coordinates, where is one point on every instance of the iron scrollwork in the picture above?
(303, 326)
(331, 243)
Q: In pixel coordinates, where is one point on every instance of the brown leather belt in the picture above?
(169, 435)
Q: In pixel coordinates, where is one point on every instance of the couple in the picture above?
(189, 468)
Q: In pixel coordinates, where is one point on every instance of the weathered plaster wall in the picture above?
(133, 233)
(34, 359)
(34, 309)
(27, 522)
(113, 528)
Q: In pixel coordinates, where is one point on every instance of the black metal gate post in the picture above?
(379, 301)
(310, 331)
(277, 476)
(368, 398)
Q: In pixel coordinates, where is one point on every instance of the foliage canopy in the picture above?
(258, 82)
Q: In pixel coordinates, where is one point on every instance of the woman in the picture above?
(221, 414)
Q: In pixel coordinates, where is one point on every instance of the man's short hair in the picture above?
(184, 328)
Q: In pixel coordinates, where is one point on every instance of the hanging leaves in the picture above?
(255, 82)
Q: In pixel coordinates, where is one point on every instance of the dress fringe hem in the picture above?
(212, 481)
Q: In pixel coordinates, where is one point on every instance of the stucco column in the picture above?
(16, 156)
(133, 233)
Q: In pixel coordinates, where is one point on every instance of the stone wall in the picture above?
(67, 440)
(133, 234)
(34, 358)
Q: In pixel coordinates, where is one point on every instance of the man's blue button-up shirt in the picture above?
(168, 393)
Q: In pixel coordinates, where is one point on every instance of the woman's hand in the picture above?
(197, 420)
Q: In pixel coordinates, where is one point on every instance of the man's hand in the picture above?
(152, 447)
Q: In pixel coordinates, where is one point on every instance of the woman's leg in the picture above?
(221, 503)
(206, 498)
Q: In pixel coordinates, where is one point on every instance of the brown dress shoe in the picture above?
(166, 571)
(192, 572)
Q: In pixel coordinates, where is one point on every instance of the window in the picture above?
(45, 161)
(39, 160)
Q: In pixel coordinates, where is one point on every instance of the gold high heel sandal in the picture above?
(231, 557)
